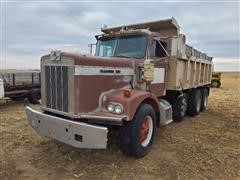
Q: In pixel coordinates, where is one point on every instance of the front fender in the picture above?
(131, 104)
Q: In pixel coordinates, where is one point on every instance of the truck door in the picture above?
(159, 57)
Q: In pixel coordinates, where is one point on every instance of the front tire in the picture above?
(136, 136)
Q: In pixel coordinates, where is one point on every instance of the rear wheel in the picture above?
(204, 100)
(180, 108)
(136, 136)
(194, 103)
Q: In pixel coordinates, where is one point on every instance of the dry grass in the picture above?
(201, 147)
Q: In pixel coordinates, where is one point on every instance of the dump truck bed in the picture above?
(188, 73)
(188, 68)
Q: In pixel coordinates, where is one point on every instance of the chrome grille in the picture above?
(56, 78)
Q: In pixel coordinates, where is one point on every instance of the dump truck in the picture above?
(21, 84)
(216, 80)
(142, 76)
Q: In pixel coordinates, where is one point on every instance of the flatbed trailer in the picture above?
(19, 84)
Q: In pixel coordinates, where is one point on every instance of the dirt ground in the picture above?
(203, 147)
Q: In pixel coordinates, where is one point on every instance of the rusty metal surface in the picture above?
(89, 88)
(131, 104)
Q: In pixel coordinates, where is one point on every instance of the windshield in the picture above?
(128, 46)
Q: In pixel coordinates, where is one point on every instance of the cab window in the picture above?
(159, 50)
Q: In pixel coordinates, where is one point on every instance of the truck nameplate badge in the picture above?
(110, 71)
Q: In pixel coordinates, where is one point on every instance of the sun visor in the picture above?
(166, 27)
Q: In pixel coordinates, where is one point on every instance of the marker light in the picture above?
(127, 93)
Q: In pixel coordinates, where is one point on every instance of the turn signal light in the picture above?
(127, 93)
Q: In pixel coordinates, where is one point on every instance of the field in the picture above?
(206, 146)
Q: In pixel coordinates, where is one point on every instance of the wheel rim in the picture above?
(184, 107)
(215, 84)
(198, 105)
(146, 130)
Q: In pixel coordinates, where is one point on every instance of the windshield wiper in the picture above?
(121, 55)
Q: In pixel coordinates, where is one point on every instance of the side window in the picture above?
(159, 50)
(105, 47)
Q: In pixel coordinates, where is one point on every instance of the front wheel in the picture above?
(136, 136)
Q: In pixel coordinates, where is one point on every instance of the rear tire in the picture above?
(194, 103)
(204, 100)
(180, 108)
(136, 136)
(34, 96)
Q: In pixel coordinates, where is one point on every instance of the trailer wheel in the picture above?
(136, 136)
(215, 83)
(204, 100)
(194, 103)
(34, 96)
(180, 107)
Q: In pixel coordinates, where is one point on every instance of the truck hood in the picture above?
(98, 76)
(91, 78)
(101, 61)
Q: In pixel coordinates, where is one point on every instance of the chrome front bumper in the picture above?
(77, 134)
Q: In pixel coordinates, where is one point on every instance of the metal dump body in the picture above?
(188, 73)
(187, 67)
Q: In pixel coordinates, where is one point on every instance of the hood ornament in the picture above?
(55, 55)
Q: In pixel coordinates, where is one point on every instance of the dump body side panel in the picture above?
(185, 74)
(188, 68)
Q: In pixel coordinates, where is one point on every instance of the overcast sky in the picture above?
(32, 29)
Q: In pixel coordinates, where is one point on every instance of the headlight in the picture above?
(118, 109)
(110, 107)
(115, 108)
